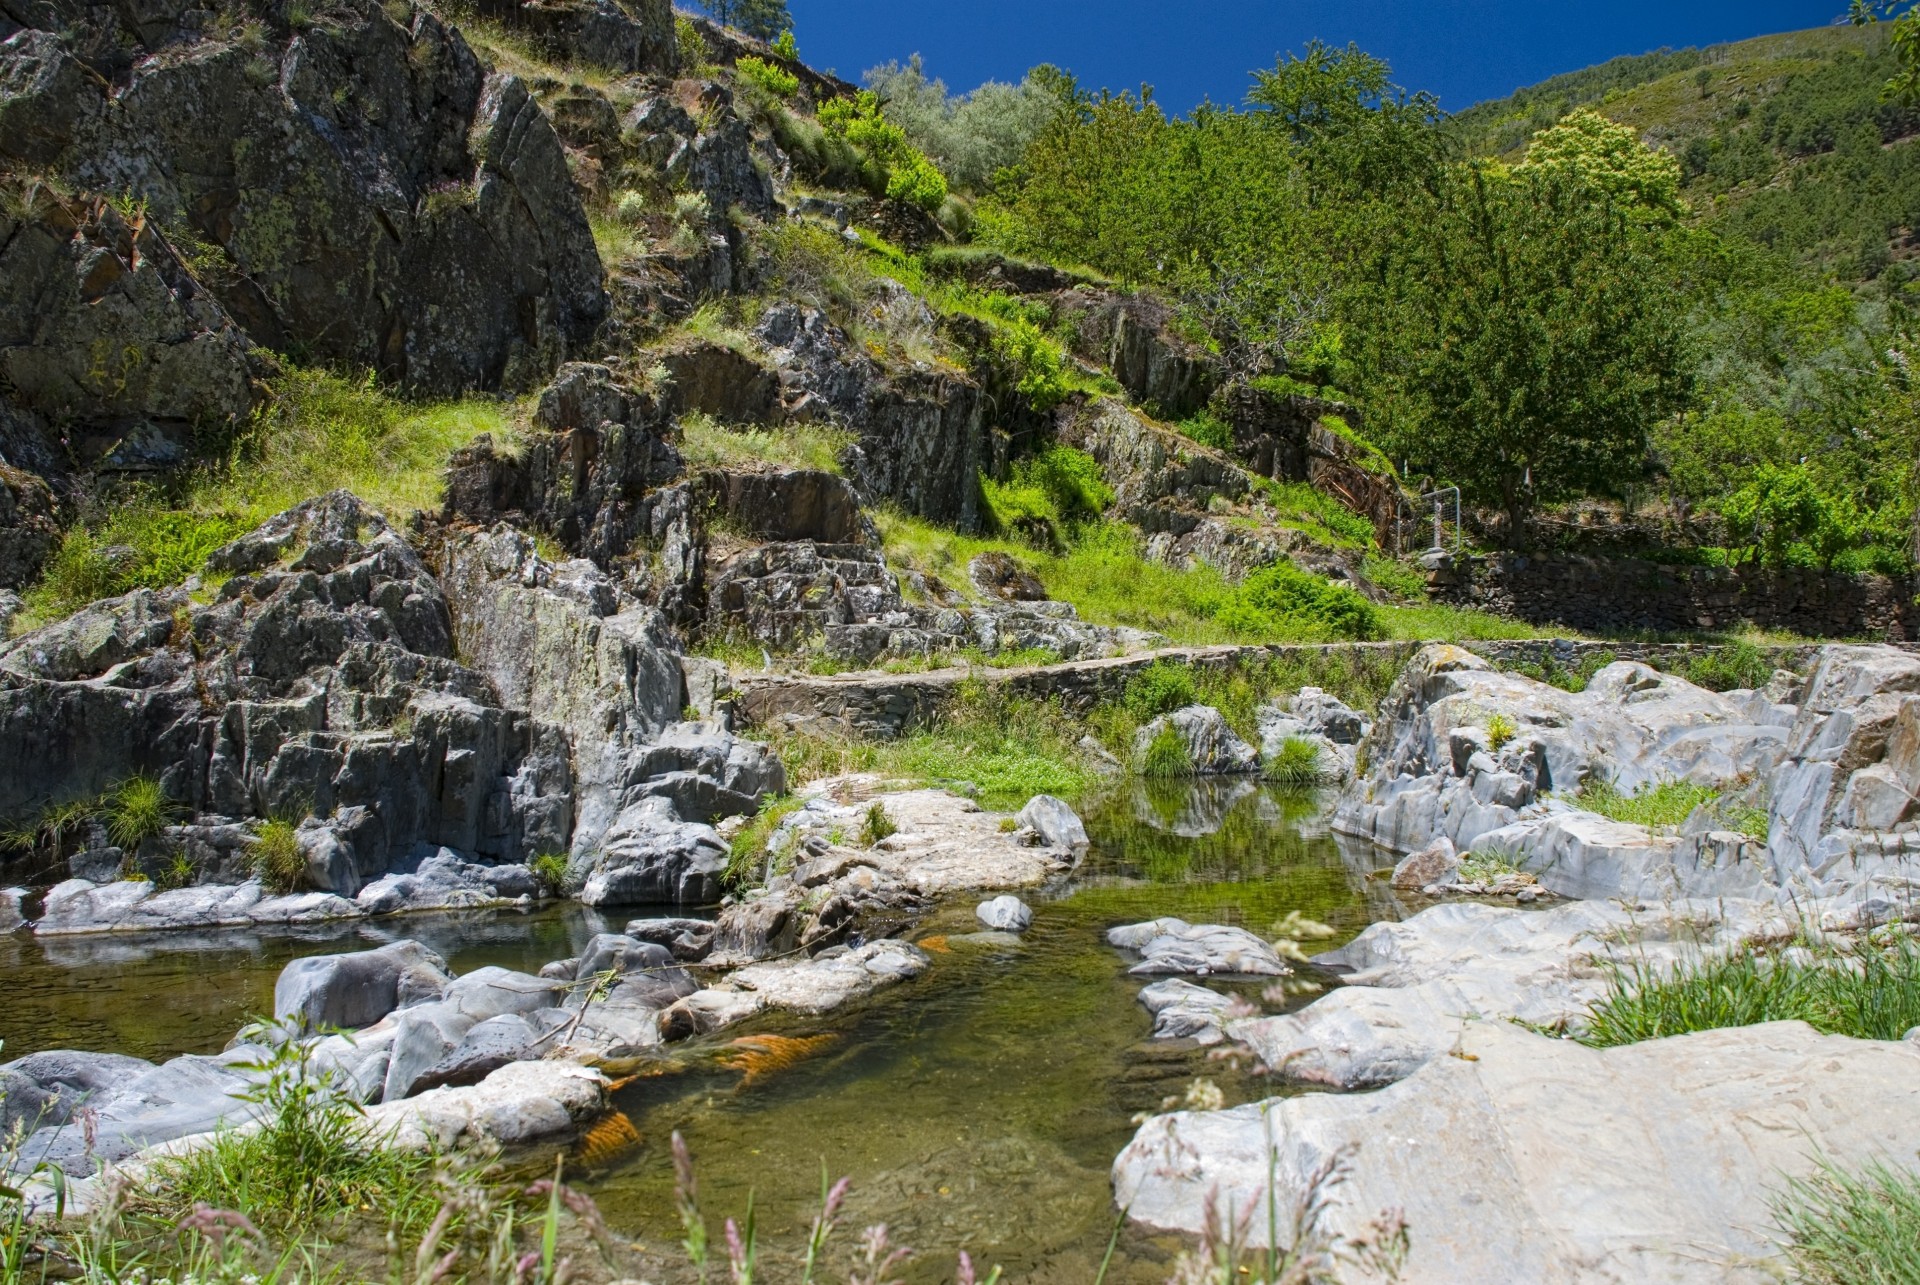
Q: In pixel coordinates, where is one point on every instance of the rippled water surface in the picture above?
(979, 1107)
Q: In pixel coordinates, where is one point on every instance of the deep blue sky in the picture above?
(1464, 50)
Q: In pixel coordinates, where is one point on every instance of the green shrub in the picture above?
(907, 174)
(1037, 360)
(876, 824)
(1160, 688)
(277, 859)
(1666, 804)
(1736, 666)
(692, 46)
(1282, 601)
(771, 79)
(1500, 730)
(1207, 429)
(553, 872)
(1299, 504)
(917, 181)
(137, 810)
(1046, 494)
(1870, 992)
(1296, 764)
(1850, 1228)
(1167, 754)
(784, 46)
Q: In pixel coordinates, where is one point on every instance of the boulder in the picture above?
(136, 905)
(1176, 946)
(11, 917)
(1183, 1011)
(347, 992)
(489, 1045)
(181, 1098)
(1210, 746)
(688, 939)
(1005, 914)
(1326, 715)
(522, 1104)
(443, 881)
(1437, 863)
(41, 1090)
(1057, 824)
(1655, 1161)
(644, 974)
(815, 986)
(364, 190)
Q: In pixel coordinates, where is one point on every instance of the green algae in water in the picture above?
(981, 1107)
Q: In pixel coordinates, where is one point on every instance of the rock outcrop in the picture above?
(1655, 1161)
(362, 189)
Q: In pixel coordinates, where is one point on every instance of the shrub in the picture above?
(1871, 992)
(137, 810)
(1046, 493)
(784, 46)
(553, 872)
(1396, 577)
(773, 80)
(1167, 754)
(1036, 359)
(907, 173)
(917, 181)
(179, 872)
(1283, 601)
(1207, 429)
(1299, 504)
(1296, 764)
(691, 44)
(876, 825)
(1500, 730)
(1160, 688)
(277, 858)
(1666, 804)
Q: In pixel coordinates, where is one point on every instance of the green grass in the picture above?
(1663, 805)
(1500, 730)
(876, 824)
(1852, 1228)
(320, 433)
(708, 444)
(1487, 866)
(1297, 763)
(1303, 508)
(1737, 665)
(1166, 757)
(276, 857)
(553, 871)
(1870, 992)
(137, 810)
(747, 853)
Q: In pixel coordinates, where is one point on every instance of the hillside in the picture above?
(1783, 140)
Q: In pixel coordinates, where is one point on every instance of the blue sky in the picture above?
(1463, 50)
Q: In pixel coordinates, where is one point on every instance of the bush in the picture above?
(1037, 361)
(692, 46)
(1047, 493)
(1282, 601)
(553, 872)
(773, 80)
(1871, 992)
(877, 825)
(137, 810)
(1297, 763)
(1160, 688)
(917, 181)
(1207, 429)
(907, 174)
(277, 859)
(1666, 804)
(1167, 754)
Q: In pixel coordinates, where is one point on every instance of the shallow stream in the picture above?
(979, 1107)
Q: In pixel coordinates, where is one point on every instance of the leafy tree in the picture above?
(1594, 152)
(1523, 336)
(970, 136)
(764, 19)
(1347, 121)
(910, 176)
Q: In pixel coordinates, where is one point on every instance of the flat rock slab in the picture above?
(943, 844)
(810, 986)
(134, 905)
(1540, 1160)
(522, 1104)
(1413, 987)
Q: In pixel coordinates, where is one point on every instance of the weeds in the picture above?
(277, 859)
(1845, 1228)
(1666, 804)
(751, 854)
(1296, 764)
(706, 443)
(1167, 755)
(137, 810)
(877, 825)
(553, 872)
(1500, 731)
(1870, 992)
(1736, 666)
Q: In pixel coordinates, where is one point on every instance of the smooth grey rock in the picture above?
(357, 1059)
(688, 939)
(487, 1046)
(444, 881)
(1671, 1152)
(1176, 946)
(819, 986)
(186, 1096)
(41, 1090)
(1056, 822)
(1212, 748)
(1326, 715)
(11, 918)
(97, 865)
(493, 991)
(645, 974)
(347, 992)
(649, 855)
(1005, 913)
(423, 1036)
(522, 1104)
(1183, 1011)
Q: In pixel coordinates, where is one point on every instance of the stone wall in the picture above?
(1615, 594)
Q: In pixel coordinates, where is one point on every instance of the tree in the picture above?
(1905, 15)
(763, 19)
(1522, 336)
(1591, 151)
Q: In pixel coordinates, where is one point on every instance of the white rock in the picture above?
(1532, 1159)
(1176, 946)
(1006, 913)
(1055, 822)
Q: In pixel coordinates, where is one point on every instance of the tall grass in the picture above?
(320, 432)
(706, 443)
(1858, 1228)
(1871, 992)
(1666, 804)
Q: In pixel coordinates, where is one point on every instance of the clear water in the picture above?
(978, 1108)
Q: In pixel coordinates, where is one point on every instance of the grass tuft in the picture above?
(1666, 804)
(877, 825)
(1846, 1228)
(748, 854)
(137, 810)
(1167, 755)
(553, 872)
(1296, 764)
(706, 443)
(277, 859)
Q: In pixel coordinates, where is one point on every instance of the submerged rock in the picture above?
(11, 920)
(1656, 1161)
(1183, 1011)
(1176, 946)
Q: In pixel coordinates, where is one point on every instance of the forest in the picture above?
(1679, 286)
